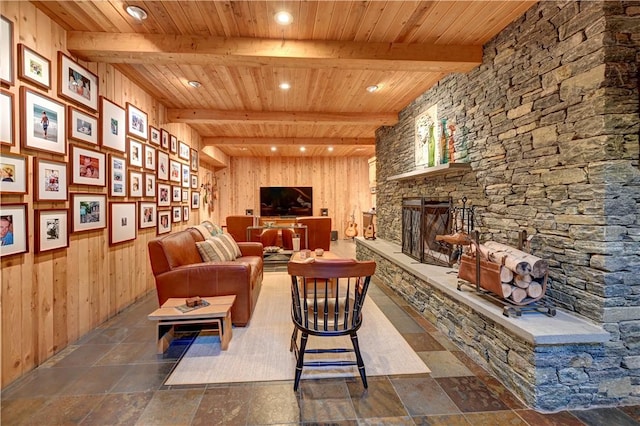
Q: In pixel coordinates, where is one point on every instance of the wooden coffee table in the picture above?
(218, 312)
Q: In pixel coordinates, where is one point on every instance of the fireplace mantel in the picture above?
(440, 170)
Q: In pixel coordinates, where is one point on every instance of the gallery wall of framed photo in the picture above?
(82, 157)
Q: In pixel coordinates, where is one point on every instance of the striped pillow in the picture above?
(213, 250)
(228, 240)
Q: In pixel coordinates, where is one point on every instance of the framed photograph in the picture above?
(6, 51)
(82, 126)
(173, 144)
(136, 184)
(112, 126)
(135, 153)
(183, 151)
(149, 185)
(33, 67)
(194, 181)
(149, 157)
(148, 215)
(154, 135)
(89, 212)
(7, 120)
(176, 194)
(14, 236)
(163, 165)
(51, 229)
(42, 122)
(185, 195)
(137, 124)
(185, 213)
(164, 191)
(195, 200)
(13, 173)
(76, 83)
(88, 166)
(194, 160)
(117, 176)
(50, 180)
(164, 221)
(186, 176)
(176, 214)
(123, 226)
(175, 169)
(164, 139)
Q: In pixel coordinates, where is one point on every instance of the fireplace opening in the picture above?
(422, 220)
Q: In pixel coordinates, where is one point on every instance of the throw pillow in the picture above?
(213, 250)
(212, 228)
(228, 240)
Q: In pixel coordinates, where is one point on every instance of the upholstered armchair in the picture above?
(237, 226)
(318, 231)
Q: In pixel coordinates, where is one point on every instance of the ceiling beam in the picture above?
(194, 116)
(218, 141)
(198, 50)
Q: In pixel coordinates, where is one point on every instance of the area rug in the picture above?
(260, 351)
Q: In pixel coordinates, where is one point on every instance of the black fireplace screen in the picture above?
(422, 220)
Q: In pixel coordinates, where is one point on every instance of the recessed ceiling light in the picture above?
(274, 149)
(372, 88)
(283, 17)
(303, 149)
(285, 86)
(330, 149)
(194, 83)
(137, 13)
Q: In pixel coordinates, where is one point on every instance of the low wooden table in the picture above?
(218, 312)
(326, 255)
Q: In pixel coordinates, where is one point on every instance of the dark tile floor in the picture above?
(114, 376)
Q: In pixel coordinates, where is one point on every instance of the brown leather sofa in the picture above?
(180, 272)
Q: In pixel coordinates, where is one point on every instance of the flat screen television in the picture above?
(286, 201)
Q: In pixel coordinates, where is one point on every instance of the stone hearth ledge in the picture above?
(534, 327)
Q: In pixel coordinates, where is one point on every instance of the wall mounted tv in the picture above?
(286, 201)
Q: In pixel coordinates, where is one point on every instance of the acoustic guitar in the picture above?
(352, 229)
(370, 232)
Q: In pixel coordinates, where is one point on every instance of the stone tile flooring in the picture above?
(113, 376)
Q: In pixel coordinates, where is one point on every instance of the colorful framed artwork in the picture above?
(7, 120)
(117, 176)
(195, 160)
(164, 139)
(123, 226)
(195, 200)
(175, 170)
(135, 153)
(13, 173)
(88, 166)
(164, 221)
(176, 194)
(183, 151)
(50, 180)
(33, 67)
(136, 187)
(42, 122)
(185, 213)
(185, 195)
(148, 215)
(186, 176)
(154, 135)
(150, 185)
(173, 144)
(6, 51)
(176, 214)
(82, 126)
(164, 192)
(76, 83)
(51, 229)
(14, 235)
(137, 124)
(89, 212)
(194, 181)
(112, 125)
(149, 157)
(163, 165)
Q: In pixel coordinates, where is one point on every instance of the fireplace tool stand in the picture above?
(509, 309)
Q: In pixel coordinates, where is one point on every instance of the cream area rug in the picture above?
(260, 351)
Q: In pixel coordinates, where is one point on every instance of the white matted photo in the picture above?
(135, 153)
(194, 181)
(149, 157)
(176, 214)
(89, 212)
(150, 185)
(184, 150)
(50, 180)
(163, 165)
(195, 160)
(185, 213)
(148, 215)
(176, 194)
(195, 200)
(88, 166)
(164, 195)
(174, 171)
(117, 176)
(14, 236)
(136, 184)
(137, 124)
(76, 83)
(6, 51)
(13, 173)
(164, 221)
(7, 120)
(82, 126)
(164, 139)
(154, 135)
(123, 226)
(112, 126)
(186, 176)
(42, 122)
(173, 144)
(51, 229)
(33, 67)
(185, 195)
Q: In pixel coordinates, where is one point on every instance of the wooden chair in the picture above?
(327, 298)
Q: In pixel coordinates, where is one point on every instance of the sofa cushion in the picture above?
(228, 240)
(214, 250)
(211, 227)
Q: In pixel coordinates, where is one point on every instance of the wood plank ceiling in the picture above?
(329, 55)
